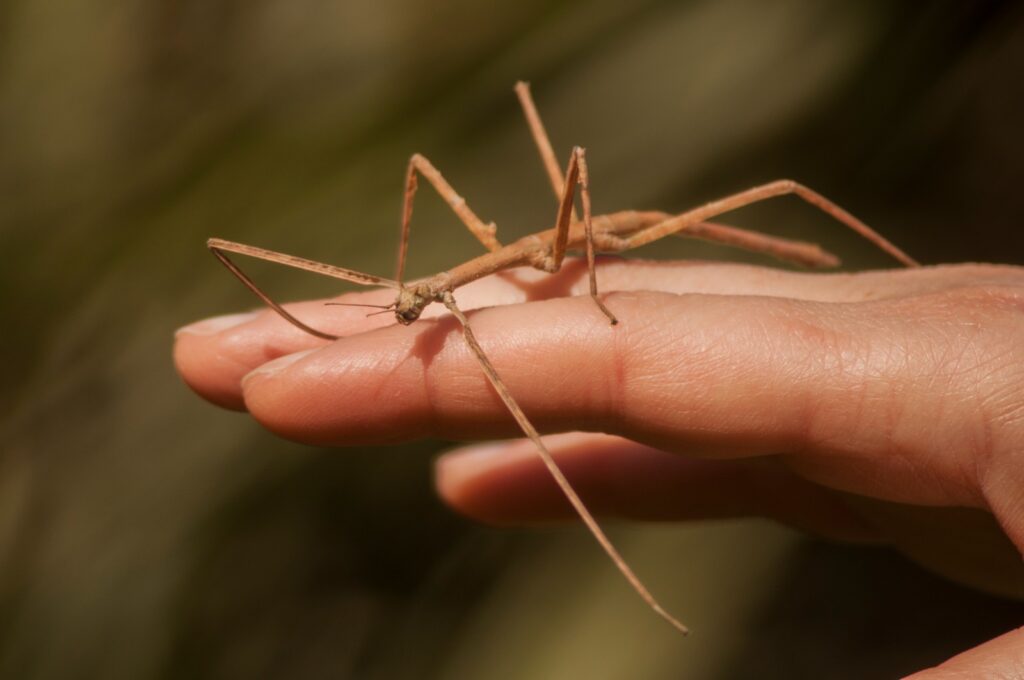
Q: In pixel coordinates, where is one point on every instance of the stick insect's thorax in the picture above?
(533, 250)
(536, 248)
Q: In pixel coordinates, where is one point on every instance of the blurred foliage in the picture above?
(144, 534)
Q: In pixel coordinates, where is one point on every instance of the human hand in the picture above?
(881, 406)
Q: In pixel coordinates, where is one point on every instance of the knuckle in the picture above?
(982, 359)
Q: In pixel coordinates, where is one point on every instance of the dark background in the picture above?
(145, 534)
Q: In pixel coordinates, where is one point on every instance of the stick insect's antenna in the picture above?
(358, 304)
(384, 309)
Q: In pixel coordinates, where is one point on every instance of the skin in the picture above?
(882, 406)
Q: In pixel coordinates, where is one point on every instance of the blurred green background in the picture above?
(145, 534)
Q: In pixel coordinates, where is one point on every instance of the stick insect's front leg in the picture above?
(220, 248)
(419, 164)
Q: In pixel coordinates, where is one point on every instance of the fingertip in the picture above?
(204, 371)
(269, 396)
(358, 390)
(215, 324)
(456, 474)
(215, 354)
(505, 482)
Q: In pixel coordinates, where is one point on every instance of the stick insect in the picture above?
(546, 250)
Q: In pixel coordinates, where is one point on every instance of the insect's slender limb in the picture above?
(540, 138)
(485, 233)
(806, 254)
(564, 217)
(584, 180)
(530, 431)
(787, 250)
(612, 231)
(780, 187)
(220, 248)
(576, 173)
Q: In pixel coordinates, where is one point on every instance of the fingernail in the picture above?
(277, 365)
(216, 324)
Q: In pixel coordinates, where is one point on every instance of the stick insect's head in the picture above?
(409, 305)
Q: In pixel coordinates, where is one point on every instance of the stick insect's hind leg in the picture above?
(805, 254)
(220, 248)
(780, 187)
(419, 164)
(530, 431)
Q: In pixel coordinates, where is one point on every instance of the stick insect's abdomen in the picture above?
(625, 222)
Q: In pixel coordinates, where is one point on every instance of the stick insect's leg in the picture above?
(589, 227)
(540, 138)
(220, 248)
(765, 191)
(530, 431)
(806, 254)
(796, 252)
(575, 173)
(563, 220)
(483, 232)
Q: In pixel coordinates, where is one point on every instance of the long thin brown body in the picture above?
(545, 250)
(611, 234)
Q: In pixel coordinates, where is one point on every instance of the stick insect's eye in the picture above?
(407, 316)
